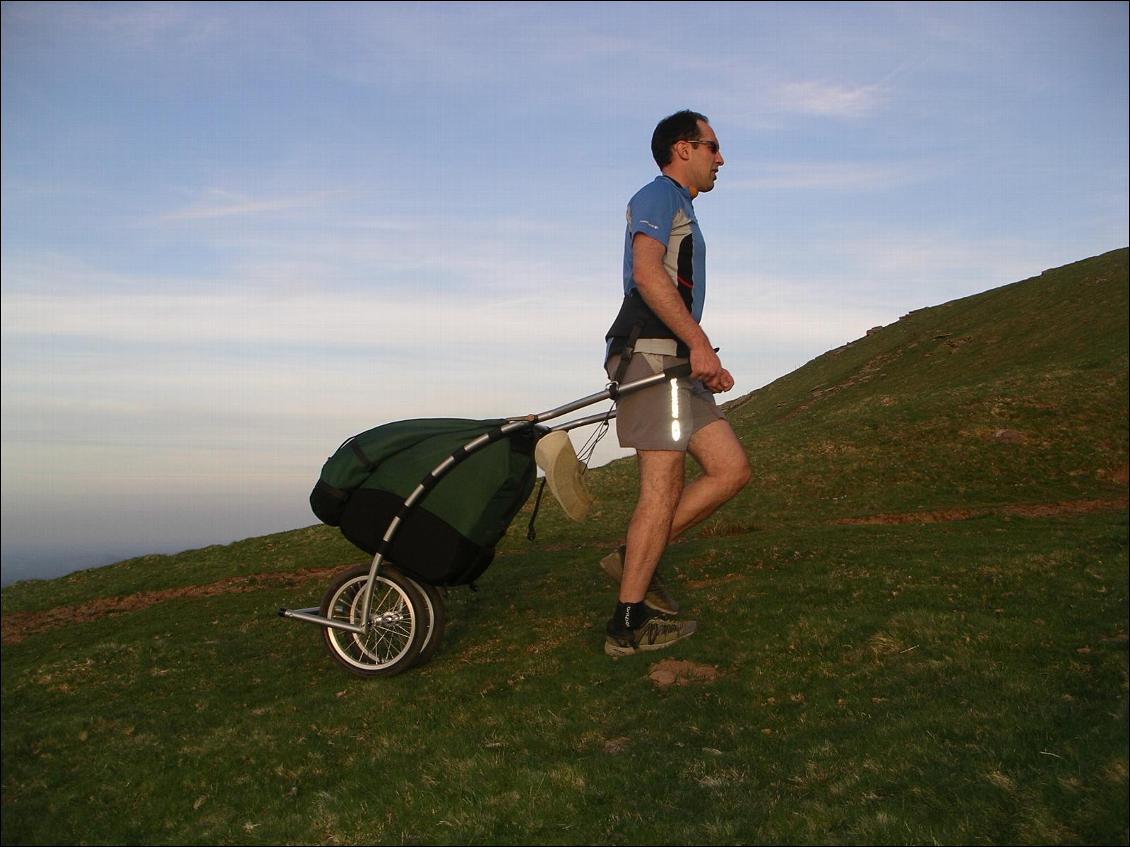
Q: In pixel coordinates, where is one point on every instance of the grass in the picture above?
(958, 680)
(872, 681)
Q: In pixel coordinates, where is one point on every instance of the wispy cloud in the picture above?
(226, 204)
(829, 99)
(376, 318)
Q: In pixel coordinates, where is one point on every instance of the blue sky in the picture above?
(235, 234)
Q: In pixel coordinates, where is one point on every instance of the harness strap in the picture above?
(627, 352)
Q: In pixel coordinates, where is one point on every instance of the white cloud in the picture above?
(829, 99)
(226, 204)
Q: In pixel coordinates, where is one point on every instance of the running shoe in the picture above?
(655, 634)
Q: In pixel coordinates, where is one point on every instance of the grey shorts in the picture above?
(665, 416)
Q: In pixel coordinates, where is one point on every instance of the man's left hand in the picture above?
(720, 384)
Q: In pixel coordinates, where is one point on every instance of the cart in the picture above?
(377, 619)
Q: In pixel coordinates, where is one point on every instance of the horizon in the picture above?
(227, 228)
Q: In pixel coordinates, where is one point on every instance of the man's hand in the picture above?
(725, 382)
(706, 366)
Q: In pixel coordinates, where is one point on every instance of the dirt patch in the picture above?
(16, 626)
(1119, 476)
(616, 745)
(668, 672)
(1039, 510)
(710, 583)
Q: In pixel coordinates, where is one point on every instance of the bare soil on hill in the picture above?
(16, 626)
(1046, 510)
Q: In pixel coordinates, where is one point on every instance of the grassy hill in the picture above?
(913, 628)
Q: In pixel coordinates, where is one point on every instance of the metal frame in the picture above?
(613, 392)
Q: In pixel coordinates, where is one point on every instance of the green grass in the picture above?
(873, 681)
(957, 681)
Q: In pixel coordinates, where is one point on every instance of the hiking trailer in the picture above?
(384, 618)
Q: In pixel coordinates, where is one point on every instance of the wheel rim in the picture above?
(392, 624)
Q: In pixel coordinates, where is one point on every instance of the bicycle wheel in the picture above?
(436, 617)
(397, 624)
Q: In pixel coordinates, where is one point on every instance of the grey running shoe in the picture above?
(655, 634)
(657, 597)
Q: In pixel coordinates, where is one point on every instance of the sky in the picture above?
(235, 234)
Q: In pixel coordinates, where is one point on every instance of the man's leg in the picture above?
(661, 484)
(725, 472)
(633, 627)
(666, 509)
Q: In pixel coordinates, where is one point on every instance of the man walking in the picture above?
(658, 327)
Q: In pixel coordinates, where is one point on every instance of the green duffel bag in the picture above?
(450, 535)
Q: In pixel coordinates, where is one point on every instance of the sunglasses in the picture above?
(712, 146)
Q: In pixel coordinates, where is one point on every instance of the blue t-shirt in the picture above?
(663, 210)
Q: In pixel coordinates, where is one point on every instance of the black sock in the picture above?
(630, 615)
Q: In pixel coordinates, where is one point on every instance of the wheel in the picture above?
(397, 627)
(437, 620)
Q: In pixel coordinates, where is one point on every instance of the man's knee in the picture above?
(723, 459)
(740, 473)
(732, 476)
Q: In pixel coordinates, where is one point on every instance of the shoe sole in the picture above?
(619, 651)
(612, 566)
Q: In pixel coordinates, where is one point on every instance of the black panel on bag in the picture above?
(424, 546)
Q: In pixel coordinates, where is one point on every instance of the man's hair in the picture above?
(681, 126)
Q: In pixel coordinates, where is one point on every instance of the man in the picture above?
(658, 327)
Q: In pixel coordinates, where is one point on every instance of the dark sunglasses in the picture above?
(712, 146)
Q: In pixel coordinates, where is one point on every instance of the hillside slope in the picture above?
(1017, 395)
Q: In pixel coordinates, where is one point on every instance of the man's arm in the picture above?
(655, 287)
